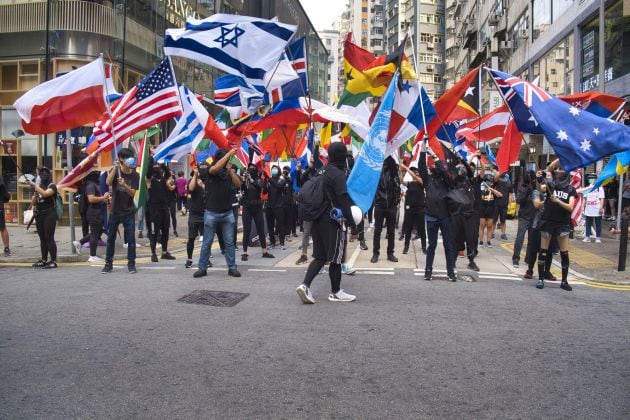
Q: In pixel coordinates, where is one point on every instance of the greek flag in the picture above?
(188, 131)
(240, 45)
(366, 172)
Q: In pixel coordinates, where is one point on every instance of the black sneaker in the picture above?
(480, 243)
(528, 274)
(392, 258)
(132, 269)
(504, 237)
(39, 264)
(200, 273)
(401, 237)
(489, 244)
(49, 265)
(406, 251)
(565, 286)
(167, 256)
(303, 258)
(176, 234)
(188, 264)
(154, 258)
(428, 274)
(234, 272)
(452, 277)
(244, 257)
(515, 262)
(374, 259)
(7, 252)
(540, 284)
(363, 245)
(473, 266)
(107, 268)
(267, 255)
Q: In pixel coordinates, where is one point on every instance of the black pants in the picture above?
(256, 215)
(172, 208)
(533, 246)
(195, 227)
(388, 216)
(46, 223)
(85, 225)
(466, 233)
(95, 226)
(160, 225)
(290, 219)
(275, 224)
(329, 245)
(414, 218)
(433, 227)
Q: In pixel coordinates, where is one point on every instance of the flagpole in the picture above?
(480, 104)
(109, 111)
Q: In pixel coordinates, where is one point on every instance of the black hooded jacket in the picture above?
(335, 188)
(436, 187)
(388, 190)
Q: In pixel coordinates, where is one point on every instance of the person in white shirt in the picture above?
(593, 211)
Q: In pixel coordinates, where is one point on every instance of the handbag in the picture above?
(28, 215)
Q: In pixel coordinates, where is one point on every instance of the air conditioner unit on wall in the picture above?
(507, 45)
(430, 68)
(430, 46)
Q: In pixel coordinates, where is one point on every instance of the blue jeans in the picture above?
(445, 226)
(598, 226)
(128, 222)
(211, 222)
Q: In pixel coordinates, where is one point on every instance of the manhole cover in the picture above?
(213, 298)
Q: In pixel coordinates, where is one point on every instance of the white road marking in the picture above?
(267, 270)
(163, 267)
(375, 268)
(355, 255)
(381, 273)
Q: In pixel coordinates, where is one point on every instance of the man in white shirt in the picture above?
(593, 211)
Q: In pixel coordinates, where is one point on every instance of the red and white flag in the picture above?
(77, 98)
(488, 127)
(150, 102)
(576, 182)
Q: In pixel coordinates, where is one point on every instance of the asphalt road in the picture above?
(78, 344)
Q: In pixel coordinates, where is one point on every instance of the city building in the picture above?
(331, 41)
(40, 39)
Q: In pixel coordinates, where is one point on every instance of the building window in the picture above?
(519, 33)
(429, 18)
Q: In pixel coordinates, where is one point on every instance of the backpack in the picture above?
(311, 198)
(58, 206)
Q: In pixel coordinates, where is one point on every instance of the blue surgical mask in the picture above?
(131, 162)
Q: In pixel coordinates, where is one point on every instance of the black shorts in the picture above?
(195, 225)
(502, 212)
(488, 212)
(559, 230)
(3, 223)
(329, 240)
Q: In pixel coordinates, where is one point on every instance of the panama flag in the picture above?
(366, 172)
(77, 98)
(241, 45)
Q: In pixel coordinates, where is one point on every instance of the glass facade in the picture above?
(555, 68)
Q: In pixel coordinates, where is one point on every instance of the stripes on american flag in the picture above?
(151, 101)
(576, 182)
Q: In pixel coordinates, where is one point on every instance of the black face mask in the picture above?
(45, 179)
(203, 172)
(253, 172)
(157, 173)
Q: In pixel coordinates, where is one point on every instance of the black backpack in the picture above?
(81, 199)
(311, 198)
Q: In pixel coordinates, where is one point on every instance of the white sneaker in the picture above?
(305, 294)
(586, 239)
(95, 259)
(341, 296)
(348, 270)
(77, 246)
(201, 239)
(125, 246)
(598, 241)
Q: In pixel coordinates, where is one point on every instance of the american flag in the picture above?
(151, 101)
(576, 182)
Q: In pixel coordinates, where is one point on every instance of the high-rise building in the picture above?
(331, 41)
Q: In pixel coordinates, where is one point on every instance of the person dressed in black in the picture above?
(385, 209)
(463, 213)
(5, 196)
(437, 185)
(526, 214)
(504, 186)
(275, 207)
(45, 218)
(414, 208)
(329, 229)
(252, 188)
(196, 204)
(488, 213)
(290, 220)
(171, 198)
(93, 215)
(161, 189)
(556, 222)
(539, 197)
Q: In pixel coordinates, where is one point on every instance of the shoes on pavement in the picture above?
(267, 255)
(363, 245)
(244, 257)
(271, 246)
(374, 258)
(154, 258)
(49, 265)
(167, 256)
(405, 250)
(176, 234)
(392, 258)
(348, 270)
(473, 266)
(401, 237)
(301, 260)
(492, 236)
(424, 251)
(323, 270)
(460, 254)
(504, 237)
(7, 252)
(565, 286)
(598, 240)
(77, 246)
(428, 274)
(39, 264)
(515, 262)
(540, 284)
(200, 273)
(282, 247)
(586, 239)
(528, 274)
(294, 235)
(95, 258)
(489, 244)
(201, 238)
(132, 269)
(452, 277)
(107, 268)
(550, 277)
(305, 294)
(480, 243)
(188, 264)
(233, 272)
(341, 296)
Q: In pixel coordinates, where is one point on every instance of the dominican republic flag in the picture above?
(151, 101)
(77, 98)
(241, 45)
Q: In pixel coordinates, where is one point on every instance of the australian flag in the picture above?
(579, 138)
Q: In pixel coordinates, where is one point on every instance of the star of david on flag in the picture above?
(579, 138)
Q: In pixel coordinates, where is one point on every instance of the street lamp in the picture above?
(532, 149)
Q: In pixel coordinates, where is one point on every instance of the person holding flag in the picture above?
(161, 190)
(252, 188)
(196, 205)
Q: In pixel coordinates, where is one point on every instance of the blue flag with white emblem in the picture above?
(241, 45)
(368, 165)
(579, 138)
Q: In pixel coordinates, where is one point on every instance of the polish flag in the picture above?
(77, 98)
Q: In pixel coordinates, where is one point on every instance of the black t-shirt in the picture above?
(414, 197)
(122, 202)
(45, 204)
(553, 212)
(197, 203)
(218, 192)
(277, 189)
(251, 193)
(92, 188)
(160, 194)
(504, 187)
(488, 198)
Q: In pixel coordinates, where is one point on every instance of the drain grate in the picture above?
(213, 298)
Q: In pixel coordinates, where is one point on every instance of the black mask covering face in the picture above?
(561, 179)
(203, 171)
(253, 172)
(157, 172)
(45, 178)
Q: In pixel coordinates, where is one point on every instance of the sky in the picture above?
(323, 12)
